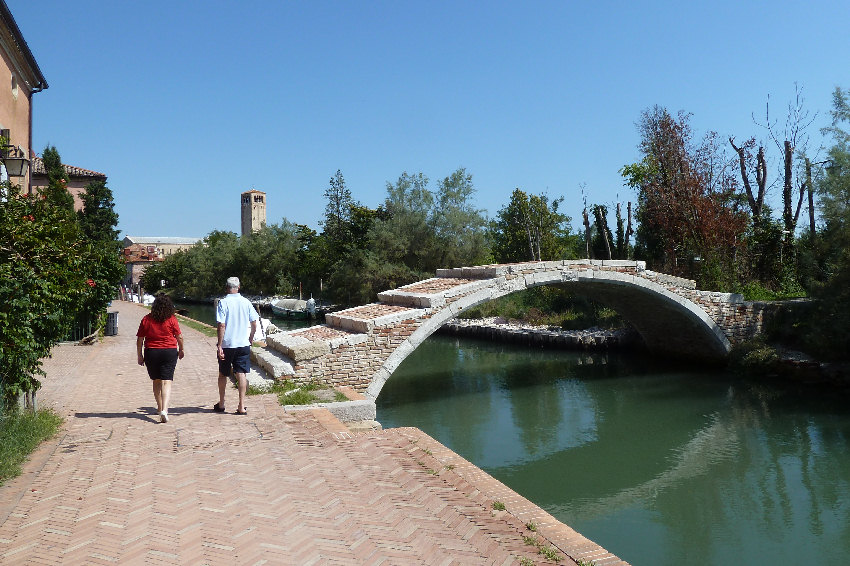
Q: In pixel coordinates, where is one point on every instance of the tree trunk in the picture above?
(586, 233)
(787, 214)
(602, 226)
(811, 198)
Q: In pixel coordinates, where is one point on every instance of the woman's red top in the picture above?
(159, 334)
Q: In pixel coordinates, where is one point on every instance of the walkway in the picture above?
(117, 487)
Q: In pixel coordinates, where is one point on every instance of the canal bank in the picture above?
(275, 486)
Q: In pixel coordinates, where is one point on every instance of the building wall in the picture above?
(15, 104)
(75, 186)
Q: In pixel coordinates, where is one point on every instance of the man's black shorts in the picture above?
(237, 358)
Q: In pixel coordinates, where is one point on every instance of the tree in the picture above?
(459, 227)
(337, 219)
(56, 191)
(51, 273)
(98, 218)
(530, 228)
(689, 219)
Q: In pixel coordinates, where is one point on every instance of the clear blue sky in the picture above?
(185, 104)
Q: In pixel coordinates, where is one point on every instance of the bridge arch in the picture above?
(669, 323)
(362, 346)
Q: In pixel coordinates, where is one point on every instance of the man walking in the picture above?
(234, 315)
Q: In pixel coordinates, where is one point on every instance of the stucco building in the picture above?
(141, 251)
(20, 78)
(77, 178)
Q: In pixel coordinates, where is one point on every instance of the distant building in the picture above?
(253, 211)
(162, 245)
(21, 78)
(140, 252)
(77, 178)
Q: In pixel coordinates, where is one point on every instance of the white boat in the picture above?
(294, 308)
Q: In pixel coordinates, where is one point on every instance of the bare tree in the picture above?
(756, 201)
(794, 138)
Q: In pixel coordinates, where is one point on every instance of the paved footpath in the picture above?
(273, 487)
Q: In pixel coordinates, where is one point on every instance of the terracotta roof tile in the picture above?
(37, 168)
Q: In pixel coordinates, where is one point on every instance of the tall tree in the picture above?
(337, 221)
(689, 221)
(57, 185)
(98, 218)
(530, 228)
(459, 227)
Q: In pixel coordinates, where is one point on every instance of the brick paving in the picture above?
(274, 487)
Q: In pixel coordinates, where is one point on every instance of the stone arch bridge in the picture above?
(360, 347)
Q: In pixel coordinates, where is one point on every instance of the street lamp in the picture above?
(14, 160)
(13, 157)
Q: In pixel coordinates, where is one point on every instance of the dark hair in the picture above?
(162, 308)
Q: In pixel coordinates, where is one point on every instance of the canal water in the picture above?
(659, 465)
(206, 313)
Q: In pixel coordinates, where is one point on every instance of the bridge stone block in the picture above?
(272, 363)
(352, 320)
(298, 348)
(619, 263)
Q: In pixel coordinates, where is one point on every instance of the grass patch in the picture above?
(21, 433)
(290, 393)
(498, 506)
(205, 329)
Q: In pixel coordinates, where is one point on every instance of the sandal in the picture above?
(245, 412)
(218, 408)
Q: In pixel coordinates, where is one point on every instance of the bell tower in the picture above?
(253, 211)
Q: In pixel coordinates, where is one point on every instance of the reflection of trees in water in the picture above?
(728, 470)
(761, 467)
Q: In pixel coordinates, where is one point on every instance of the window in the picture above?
(14, 86)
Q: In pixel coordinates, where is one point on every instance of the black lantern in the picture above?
(14, 160)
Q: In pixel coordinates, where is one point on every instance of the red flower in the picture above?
(29, 217)
(90, 283)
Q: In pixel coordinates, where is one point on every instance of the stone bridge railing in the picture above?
(360, 347)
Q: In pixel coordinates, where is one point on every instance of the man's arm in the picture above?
(253, 331)
(220, 340)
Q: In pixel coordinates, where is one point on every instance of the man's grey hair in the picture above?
(232, 282)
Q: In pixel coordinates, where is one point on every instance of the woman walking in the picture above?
(159, 333)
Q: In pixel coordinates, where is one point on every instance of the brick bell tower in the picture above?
(253, 211)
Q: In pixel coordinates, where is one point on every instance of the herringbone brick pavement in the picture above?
(118, 487)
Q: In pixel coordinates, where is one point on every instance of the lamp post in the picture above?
(14, 159)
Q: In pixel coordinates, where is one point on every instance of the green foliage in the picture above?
(21, 433)
(498, 506)
(56, 191)
(548, 306)
(47, 271)
(530, 228)
(56, 267)
(754, 357)
(98, 219)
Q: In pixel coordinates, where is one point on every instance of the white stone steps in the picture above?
(313, 342)
(273, 363)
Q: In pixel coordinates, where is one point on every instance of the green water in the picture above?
(206, 313)
(658, 465)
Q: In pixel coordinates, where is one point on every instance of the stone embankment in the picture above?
(497, 328)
